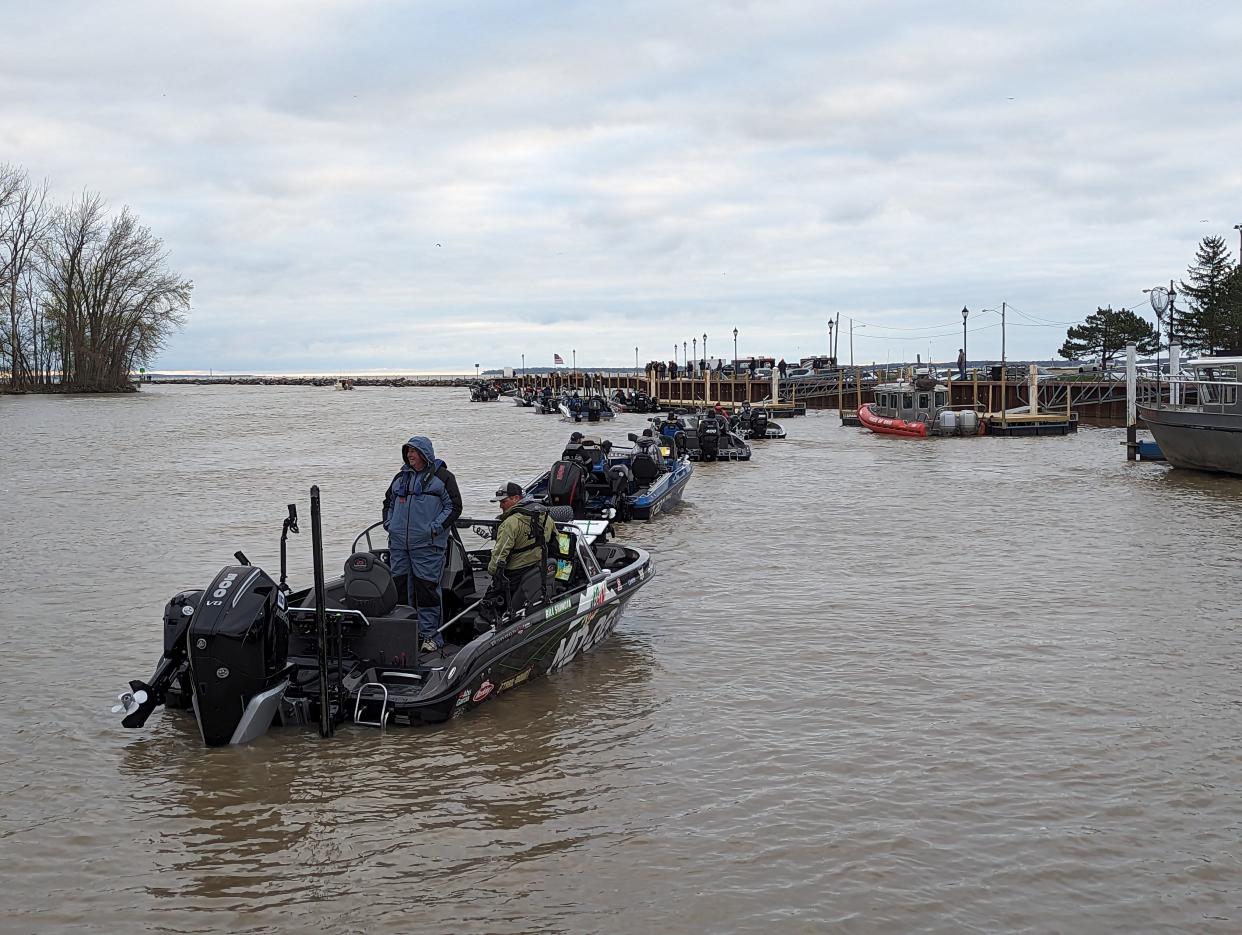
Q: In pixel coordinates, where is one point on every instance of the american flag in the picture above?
(558, 359)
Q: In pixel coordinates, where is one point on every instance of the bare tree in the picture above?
(24, 217)
(109, 295)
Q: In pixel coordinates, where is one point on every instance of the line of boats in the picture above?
(248, 652)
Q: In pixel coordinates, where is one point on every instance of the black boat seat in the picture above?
(644, 467)
(369, 586)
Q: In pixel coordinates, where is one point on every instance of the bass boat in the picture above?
(592, 409)
(704, 436)
(248, 653)
(756, 422)
(597, 479)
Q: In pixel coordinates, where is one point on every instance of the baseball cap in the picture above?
(507, 490)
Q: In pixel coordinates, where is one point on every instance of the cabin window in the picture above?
(907, 400)
(924, 401)
(1212, 391)
(942, 398)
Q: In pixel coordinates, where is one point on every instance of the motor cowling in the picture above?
(709, 435)
(759, 424)
(237, 645)
(565, 484)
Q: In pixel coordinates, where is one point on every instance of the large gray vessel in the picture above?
(1202, 431)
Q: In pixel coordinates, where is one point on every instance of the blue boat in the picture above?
(597, 478)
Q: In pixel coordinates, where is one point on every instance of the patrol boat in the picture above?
(917, 409)
(1201, 428)
(248, 653)
(597, 479)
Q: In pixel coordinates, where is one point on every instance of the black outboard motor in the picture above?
(238, 644)
(709, 437)
(759, 423)
(593, 409)
(565, 485)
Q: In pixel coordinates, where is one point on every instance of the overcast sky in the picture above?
(357, 186)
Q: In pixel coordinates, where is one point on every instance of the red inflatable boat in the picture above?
(885, 426)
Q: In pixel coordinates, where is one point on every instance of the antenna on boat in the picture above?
(321, 614)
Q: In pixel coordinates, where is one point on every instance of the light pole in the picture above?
(831, 358)
(685, 360)
(523, 365)
(476, 372)
(1161, 300)
(733, 395)
(635, 356)
(575, 367)
(696, 350)
(1238, 228)
(965, 315)
(861, 326)
(705, 363)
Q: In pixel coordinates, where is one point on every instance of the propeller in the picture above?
(129, 701)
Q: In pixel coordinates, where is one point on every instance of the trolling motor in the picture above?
(290, 525)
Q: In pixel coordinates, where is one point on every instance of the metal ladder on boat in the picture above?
(384, 714)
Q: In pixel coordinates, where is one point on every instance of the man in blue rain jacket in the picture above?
(420, 507)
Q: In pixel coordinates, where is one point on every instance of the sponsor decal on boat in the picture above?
(593, 628)
(484, 690)
(462, 697)
(593, 596)
(560, 607)
(516, 680)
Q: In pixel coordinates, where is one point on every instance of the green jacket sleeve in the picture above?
(503, 546)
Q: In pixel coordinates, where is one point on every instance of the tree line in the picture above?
(1209, 320)
(86, 297)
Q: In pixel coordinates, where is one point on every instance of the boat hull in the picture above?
(650, 505)
(1195, 440)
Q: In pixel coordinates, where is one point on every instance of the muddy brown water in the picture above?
(878, 685)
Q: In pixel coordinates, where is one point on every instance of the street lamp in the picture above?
(831, 357)
(1238, 228)
(705, 364)
(685, 360)
(965, 315)
(1161, 300)
(696, 350)
(476, 371)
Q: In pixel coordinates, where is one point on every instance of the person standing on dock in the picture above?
(420, 507)
(961, 362)
(782, 367)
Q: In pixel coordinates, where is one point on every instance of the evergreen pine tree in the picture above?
(1105, 332)
(1213, 319)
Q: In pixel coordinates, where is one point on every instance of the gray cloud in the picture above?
(424, 186)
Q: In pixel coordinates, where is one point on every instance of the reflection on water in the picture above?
(877, 685)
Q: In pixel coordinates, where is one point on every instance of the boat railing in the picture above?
(1208, 394)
